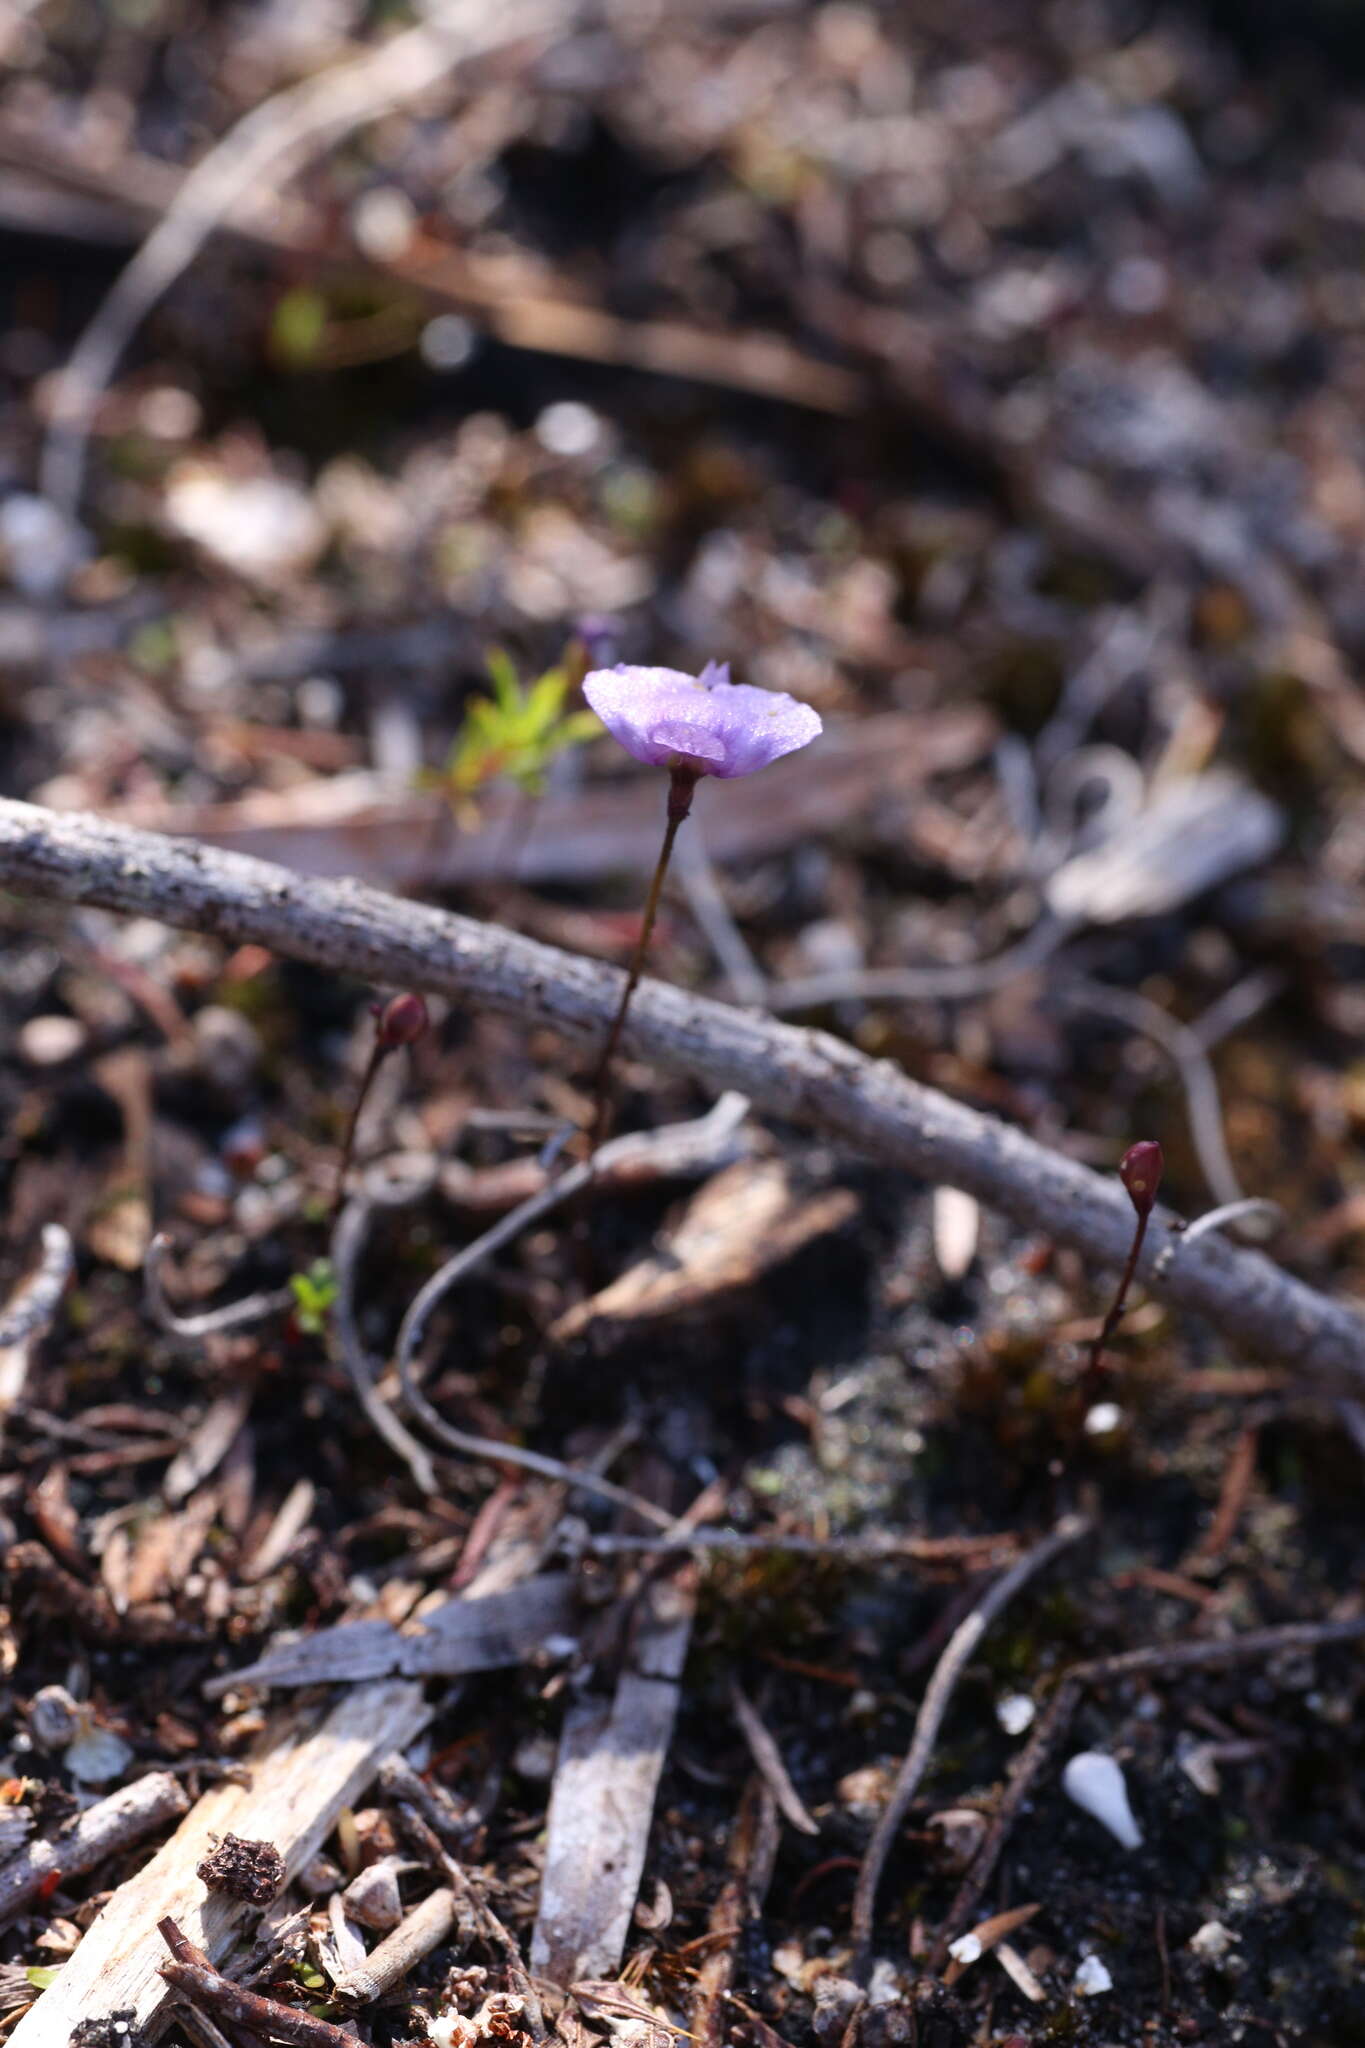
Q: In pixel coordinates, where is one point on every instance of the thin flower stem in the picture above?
(681, 786)
(372, 1066)
(1120, 1301)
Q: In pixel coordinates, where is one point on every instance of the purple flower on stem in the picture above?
(703, 723)
(693, 726)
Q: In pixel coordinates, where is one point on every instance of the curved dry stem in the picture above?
(347, 1247)
(212, 1322)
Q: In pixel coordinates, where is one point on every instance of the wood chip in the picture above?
(746, 1221)
(209, 1444)
(472, 1633)
(611, 1753)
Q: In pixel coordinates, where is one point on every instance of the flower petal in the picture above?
(721, 728)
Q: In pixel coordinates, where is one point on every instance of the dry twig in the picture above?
(123, 1818)
(809, 1076)
(211, 1322)
(934, 1705)
(768, 1757)
(192, 1974)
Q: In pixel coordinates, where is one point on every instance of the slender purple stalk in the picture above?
(401, 1021)
(681, 784)
(1140, 1171)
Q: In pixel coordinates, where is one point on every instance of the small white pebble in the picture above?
(1015, 1712)
(966, 1949)
(1092, 1978)
(1103, 1419)
(447, 342)
(48, 1041)
(568, 428)
(1095, 1783)
(1212, 1941)
(383, 221)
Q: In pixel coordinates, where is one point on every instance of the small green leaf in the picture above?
(299, 323)
(314, 1293)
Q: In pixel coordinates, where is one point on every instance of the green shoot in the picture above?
(314, 1292)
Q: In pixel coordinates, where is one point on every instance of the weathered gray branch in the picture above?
(805, 1075)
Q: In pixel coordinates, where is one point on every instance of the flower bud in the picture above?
(402, 1021)
(1140, 1172)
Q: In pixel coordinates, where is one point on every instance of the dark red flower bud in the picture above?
(402, 1021)
(1140, 1171)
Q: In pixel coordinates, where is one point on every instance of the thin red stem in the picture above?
(679, 804)
(372, 1066)
(1120, 1301)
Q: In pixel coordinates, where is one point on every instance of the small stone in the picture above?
(1015, 1712)
(372, 1896)
(52, 1717)
(534, 1759)
(1212, 1941)
(228, 1048)
(962, 1829)
(1092, 1978)
(836, 2000)
(119, 2030)
(50, 1041)
(1103, 1419)
(248, 1870)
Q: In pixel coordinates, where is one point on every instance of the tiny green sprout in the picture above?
(314, 1293)
(512, 735)
(41, 1975)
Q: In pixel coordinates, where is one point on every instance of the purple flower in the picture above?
(703, 724)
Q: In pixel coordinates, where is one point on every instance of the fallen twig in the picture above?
(809, 1076)
(32, 1306)
(975, 1551)
(768, 1757)
(192, 1973)
(29, 1313)
(933, 1706)
(123, 1818)
(348, 1243)
(1187, 1656)
(472, 1632)
(750, 1856)
(387, 1964)
(211, 1322)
